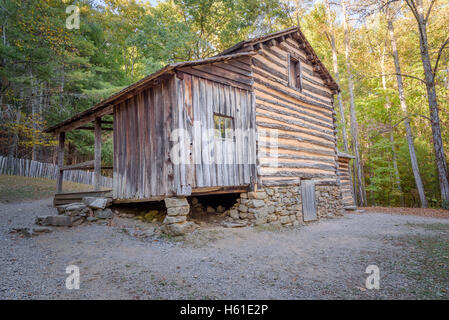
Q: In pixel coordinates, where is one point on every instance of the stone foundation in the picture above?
(283, 205)
(175, 222)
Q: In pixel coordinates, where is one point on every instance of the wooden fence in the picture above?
(30, 168)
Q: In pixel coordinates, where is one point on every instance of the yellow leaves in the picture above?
(29, 129)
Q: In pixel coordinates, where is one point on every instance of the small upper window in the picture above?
(223, 126)
(295, 73)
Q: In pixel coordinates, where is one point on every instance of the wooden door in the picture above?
(308, 200)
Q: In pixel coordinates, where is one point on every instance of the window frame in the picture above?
(226, 137)
(295, 75)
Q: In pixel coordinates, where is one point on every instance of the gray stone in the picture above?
(58, 221)
(234, 214)
(256, 203)
(239, 224)
(42, 229)
(78, 206)
(177, 211)
(95, 202)
(104, 214)
(91, 219)
(260, 195)
(179, 229)
(176, 202)
(174, 219)
(243, 208)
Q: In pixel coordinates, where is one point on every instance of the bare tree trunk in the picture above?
(337, 76)
(388, 108)
(408, 129)
(354, 125)
(440, 158)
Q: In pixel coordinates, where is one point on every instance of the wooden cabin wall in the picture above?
(200, 96)
(142, 127)
(303, 119)
(346, 182)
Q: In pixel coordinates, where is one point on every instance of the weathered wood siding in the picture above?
(215, 162)
(303, 119)
(346, 182)
(164, 135)
(142, 128)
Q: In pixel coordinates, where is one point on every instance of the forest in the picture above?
(389, 57)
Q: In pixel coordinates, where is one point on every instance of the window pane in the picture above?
(223, 127)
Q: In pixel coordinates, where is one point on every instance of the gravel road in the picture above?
(323, 260)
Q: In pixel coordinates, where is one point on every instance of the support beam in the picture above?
(60, 162)
(97, 159)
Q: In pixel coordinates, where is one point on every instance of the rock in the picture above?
(179, 229)
(95, 202)
(152, 214)
(243, 208)
(174, 219)
(210, 209)
(176, 202)
(243, 215)
(195, 200)
(76, 221)
(221, 209)
(91, 219)
(234, 224)
(42, 229)
(177, 211)
(58, 221)
(78, 206)
(255, 203)
(234, 214)
(260, 195)
(104, 214)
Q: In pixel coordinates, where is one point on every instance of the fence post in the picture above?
(97, 160)
(60, 162)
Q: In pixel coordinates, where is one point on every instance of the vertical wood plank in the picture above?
(60, 161)
(97, 151)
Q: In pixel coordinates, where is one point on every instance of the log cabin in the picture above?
(256, 120)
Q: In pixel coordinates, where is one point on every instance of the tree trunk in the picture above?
(440, 157)
(354, 125)
(388, 108)
(337, 76)
(408, 129)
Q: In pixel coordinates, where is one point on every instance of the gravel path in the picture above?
(324, 260)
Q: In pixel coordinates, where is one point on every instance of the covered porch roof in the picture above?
(105, 107)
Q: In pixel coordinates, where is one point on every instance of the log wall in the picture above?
(302, 119)
(346, 182)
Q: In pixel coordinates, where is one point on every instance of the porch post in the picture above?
(60, 162)
(97, 160)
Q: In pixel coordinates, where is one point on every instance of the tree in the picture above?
(408, 129)
(422, 16)
(354, 125)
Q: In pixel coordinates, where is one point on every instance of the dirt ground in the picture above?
(323, 260)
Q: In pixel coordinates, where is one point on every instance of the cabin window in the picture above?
(223, 126)
(295, 73)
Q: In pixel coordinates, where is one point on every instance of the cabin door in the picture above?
(308, 200)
